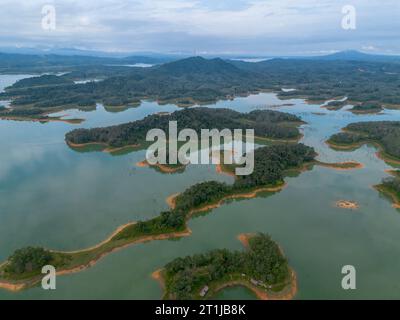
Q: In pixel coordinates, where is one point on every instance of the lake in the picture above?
(61, 199)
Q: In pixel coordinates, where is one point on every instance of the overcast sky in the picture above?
(266, 27)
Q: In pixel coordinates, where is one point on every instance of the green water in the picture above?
(55, 197)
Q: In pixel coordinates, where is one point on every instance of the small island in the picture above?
(383, 134)
(347, 204)
(261, 267)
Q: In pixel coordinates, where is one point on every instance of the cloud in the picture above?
(214, 26)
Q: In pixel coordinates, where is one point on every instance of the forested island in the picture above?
(262, 268)
(266, 124)
(384, 134)
(22, 269)
(199, 81)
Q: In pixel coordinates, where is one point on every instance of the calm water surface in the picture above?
(55, 197)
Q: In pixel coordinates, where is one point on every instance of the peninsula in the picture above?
(261, 267)
(383, 134)
(390, 187)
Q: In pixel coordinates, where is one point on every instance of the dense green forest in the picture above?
(386, 133)
(266, 123)
(261, 261)
(28, 260)
(198, 80)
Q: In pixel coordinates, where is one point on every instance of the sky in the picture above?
(249, 27)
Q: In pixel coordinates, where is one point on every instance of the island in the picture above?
(261, 267)
(267, 124)
(385, 135)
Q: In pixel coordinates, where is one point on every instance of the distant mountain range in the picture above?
(89, 53)
(42, 57)
(15, 62)
(197, 80)
(67, 60)
(352, 55)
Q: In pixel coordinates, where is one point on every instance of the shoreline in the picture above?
(286, 294)
(19, 285)
(171, 200)
(277, 140)
(107, 148)
(390, 194)
(341, 166)
(42, 120)
(380, 154)
(163, 168)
